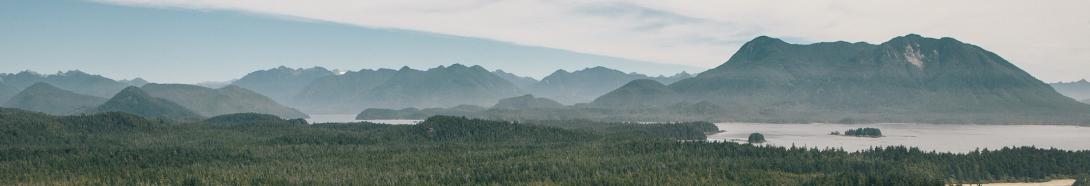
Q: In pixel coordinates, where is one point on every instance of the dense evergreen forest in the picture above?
(248, 149)
(863, 132)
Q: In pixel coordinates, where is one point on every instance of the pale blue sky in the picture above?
(212, 40)
(188, 46)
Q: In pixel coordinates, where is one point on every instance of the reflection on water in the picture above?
(346, 118)
(928, 137)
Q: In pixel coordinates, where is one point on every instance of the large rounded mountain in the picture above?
(907, 79)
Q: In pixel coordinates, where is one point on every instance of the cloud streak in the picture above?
(1047, 39)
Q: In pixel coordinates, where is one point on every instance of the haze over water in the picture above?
(957, 138)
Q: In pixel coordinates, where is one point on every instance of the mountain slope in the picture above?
(584, 85)
(213, 102)
(520, 81)
(6, 92)
(907, 79)
(281, 83)
(638, 93)
(527, 102)
(75, 81)
(1079, 89)
(43, 97)
(334, 93)
(135, 101)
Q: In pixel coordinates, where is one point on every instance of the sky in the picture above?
(219, 39)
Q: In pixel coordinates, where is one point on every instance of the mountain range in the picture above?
(209, 102)
(75, 81)
(43, 97)
(1079, 90)
(906, 79)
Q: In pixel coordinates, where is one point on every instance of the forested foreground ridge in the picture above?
(123, 149)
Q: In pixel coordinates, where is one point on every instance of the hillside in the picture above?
(75, 81)
(6, 92)
(527, 102)
(133, 100)
(227, 100)
(1079, 90)
(43, 97)
(907, 79)
(282, 83)
(583, 86)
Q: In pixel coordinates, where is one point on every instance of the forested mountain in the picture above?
(341, 92)
(75, 81)
(135, 101)
(907, 79)
(282, 83)
(43, 97)
(1080, 90)
(520, 81)
(227, 100)
(527, 102)
(584, 85)
(637, 93)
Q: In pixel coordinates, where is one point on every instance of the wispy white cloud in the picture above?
(1047, 38)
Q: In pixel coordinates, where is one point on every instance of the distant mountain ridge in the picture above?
(43, 97)
(6, 92)
(907, 79)
(527, 102)
(282, 83)
(1079, 90)
(440, 87)
(213, 102)
(584, 85)
(520, 81)
(75, 81)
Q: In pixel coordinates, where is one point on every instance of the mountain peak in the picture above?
(134, 100)
(765, 40)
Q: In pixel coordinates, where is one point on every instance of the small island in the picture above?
(860, 132)
(756, 138)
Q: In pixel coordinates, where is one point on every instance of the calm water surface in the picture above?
(937, 137)
(344, 118)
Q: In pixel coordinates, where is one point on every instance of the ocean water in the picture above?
(928, 137)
